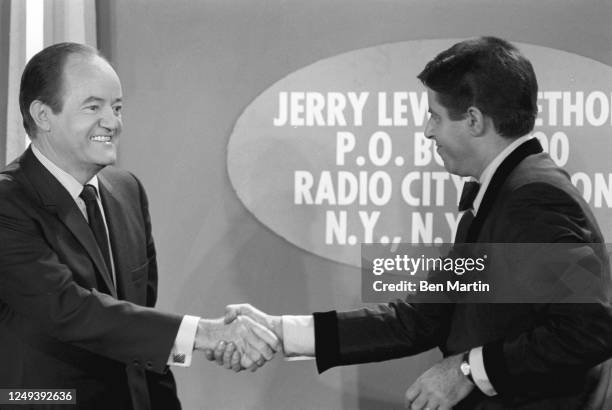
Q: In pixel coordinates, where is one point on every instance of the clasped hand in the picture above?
(239, 342)
(230, 353)
(441, 387)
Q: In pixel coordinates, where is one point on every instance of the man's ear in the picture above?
(475, 121)
(40, 113)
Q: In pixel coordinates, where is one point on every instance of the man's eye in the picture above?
(117, 109)
(92, 108)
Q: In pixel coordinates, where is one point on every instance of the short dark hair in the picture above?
(42, 79)
(488, 73)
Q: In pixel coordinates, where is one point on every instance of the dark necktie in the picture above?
(96, 222)
(468, 194)
(470, 190)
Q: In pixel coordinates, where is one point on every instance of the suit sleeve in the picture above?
(38, 290)
(571, 337)
(385, 332)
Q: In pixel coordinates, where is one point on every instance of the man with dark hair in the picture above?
(78, 271)
(42, 79)
(482, 100)
(488, 73)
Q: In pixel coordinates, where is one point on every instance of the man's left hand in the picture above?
(440, 387)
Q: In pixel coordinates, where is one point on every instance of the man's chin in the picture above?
(453, 169)
(107, 163)
(106, 157)
(449, 168)
(109, 160)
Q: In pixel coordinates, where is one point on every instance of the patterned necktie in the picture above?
(96, 222)
(466, 203)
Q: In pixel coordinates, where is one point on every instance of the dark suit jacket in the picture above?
(62, 324)
(537, 355)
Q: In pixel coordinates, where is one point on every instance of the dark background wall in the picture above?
(188, 69)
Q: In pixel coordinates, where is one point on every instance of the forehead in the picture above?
(86, 76)
(433, 102)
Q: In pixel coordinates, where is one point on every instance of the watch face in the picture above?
(465, 368)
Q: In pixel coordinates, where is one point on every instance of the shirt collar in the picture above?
(489, 171)
(73, 186)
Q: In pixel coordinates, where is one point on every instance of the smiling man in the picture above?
(78, 271)
(82, 132)
(482, 99)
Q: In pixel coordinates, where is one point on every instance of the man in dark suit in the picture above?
(78, 274)
(482, 100)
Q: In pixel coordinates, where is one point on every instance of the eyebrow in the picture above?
(100, 100)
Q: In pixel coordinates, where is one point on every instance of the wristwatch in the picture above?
(465, 366)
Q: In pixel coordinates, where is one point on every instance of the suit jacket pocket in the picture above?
(136, 290)
(140, 273)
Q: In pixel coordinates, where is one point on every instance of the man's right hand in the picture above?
(250, 343)
(226, 354)
(273, 323)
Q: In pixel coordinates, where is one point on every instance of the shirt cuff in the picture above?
(479, 374)
(182, 350)
(298, 335)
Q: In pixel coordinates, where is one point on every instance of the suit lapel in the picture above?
(56, 199)
(117, 222)
(524, 150)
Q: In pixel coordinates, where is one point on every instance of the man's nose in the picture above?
(109, 120)
(429, 130)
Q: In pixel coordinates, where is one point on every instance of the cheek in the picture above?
(75, 135)
(445, 135)
(454, 146)
(80, 128)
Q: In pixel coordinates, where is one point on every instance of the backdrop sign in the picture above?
(334, 154)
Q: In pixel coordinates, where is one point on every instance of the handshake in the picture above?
(246, 338)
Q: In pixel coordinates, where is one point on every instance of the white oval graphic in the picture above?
(333, 154)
